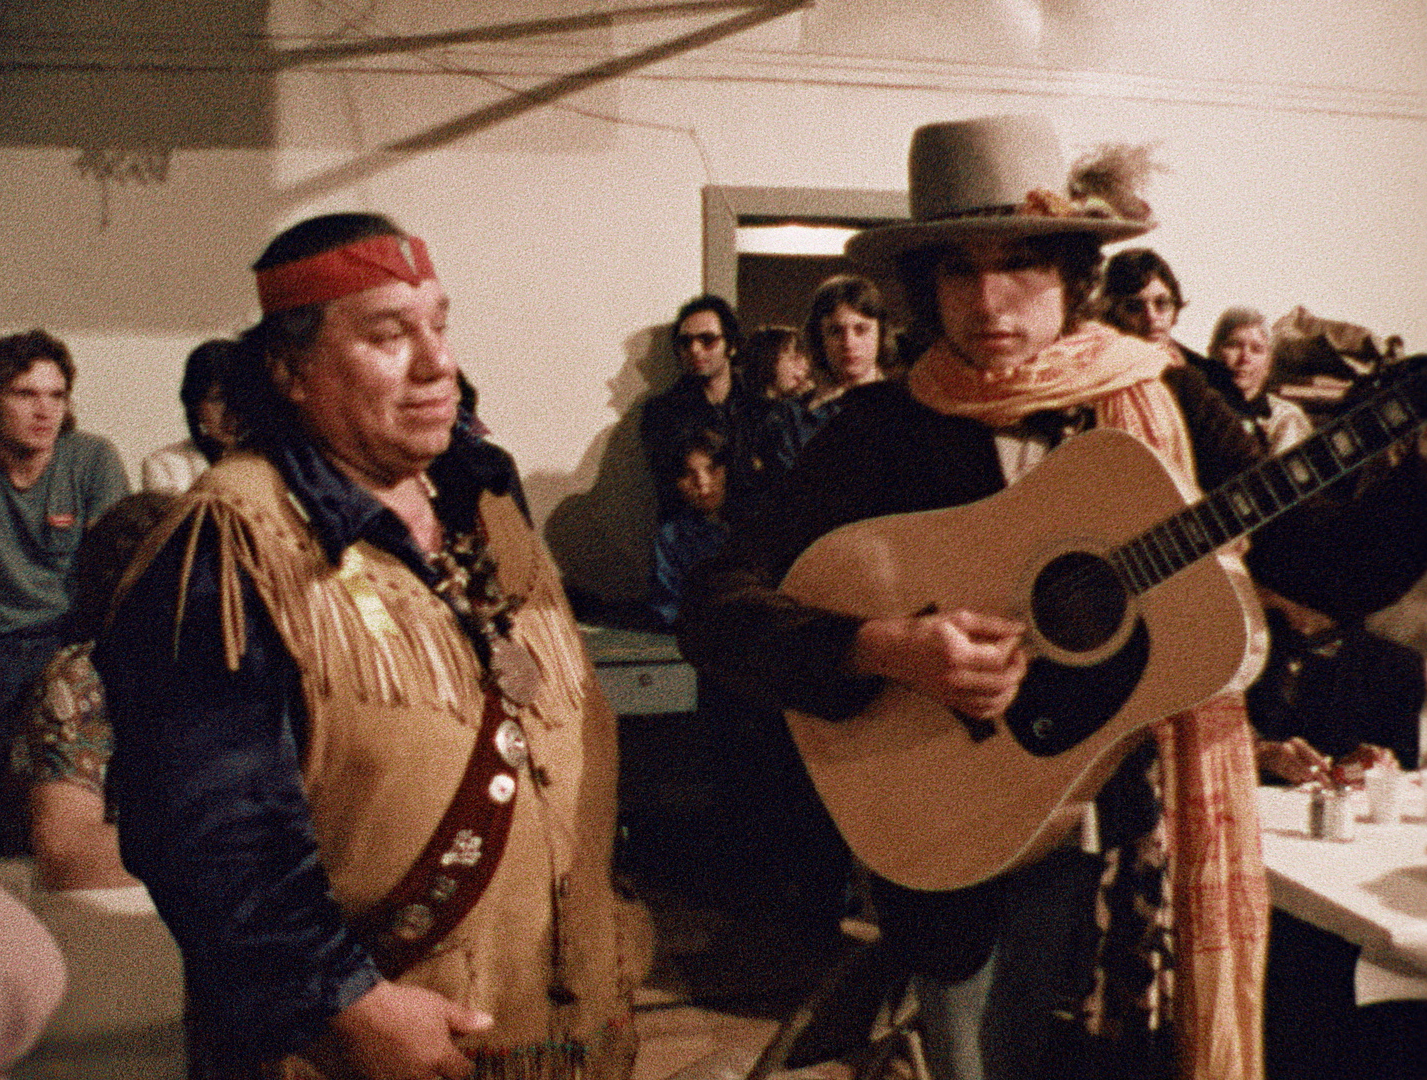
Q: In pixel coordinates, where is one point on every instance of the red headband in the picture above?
(344, 270)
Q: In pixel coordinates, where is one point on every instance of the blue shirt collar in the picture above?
(342, 512)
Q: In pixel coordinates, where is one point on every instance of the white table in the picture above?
(642, 673)
(1370, 890)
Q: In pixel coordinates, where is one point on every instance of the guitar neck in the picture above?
(1278, 484)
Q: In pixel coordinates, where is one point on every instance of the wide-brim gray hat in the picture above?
(995, 177)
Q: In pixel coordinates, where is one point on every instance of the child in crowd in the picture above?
(697, 529)
(776, 364)
(62, 751)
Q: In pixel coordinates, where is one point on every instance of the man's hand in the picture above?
(395, 1032)
(970, 663)
(1293, 760)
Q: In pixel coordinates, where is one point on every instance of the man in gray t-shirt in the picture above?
(54, 483)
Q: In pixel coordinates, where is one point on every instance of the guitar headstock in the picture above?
(1402, 376)
(1414, 369)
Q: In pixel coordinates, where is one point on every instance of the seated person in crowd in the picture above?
(1140, 295)
(709, 394)
(776, 365)
(1330, 691)
(998, 265)
(698, 530)
(211, 429)
(1241, 349)
(56, 482)
(851, 343)
(62, 751)
(123, 1006)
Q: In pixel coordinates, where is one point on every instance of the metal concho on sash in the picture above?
(459, 860)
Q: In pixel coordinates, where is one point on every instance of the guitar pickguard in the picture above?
(1061, 705)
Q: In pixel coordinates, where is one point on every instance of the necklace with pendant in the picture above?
(469, 584)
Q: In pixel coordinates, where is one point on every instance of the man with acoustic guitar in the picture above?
(930, 680)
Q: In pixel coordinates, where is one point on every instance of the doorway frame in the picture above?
(726, 208)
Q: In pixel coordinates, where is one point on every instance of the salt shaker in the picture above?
(1330, 817)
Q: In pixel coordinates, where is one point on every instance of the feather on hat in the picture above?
(1003, 176)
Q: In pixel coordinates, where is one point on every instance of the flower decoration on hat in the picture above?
(1114, 175)
(1004, 177)
(1104, 184)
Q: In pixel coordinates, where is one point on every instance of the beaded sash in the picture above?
(459, 860)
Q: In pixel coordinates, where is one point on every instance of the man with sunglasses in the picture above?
(709, 394)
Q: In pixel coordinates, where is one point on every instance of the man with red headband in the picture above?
(364, 766)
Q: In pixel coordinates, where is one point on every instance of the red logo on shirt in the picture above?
(60, 521)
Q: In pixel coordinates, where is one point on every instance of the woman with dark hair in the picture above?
(776, 365)
(1140, 295)
(362, 761)
(850, 341)
(211, 431)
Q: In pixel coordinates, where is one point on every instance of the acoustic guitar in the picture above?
(1133, 615)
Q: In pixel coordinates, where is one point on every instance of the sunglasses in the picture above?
(706, 340)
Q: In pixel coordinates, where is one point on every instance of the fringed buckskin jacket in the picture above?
(295, 707)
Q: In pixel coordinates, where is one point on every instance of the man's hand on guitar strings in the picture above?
(971, 663)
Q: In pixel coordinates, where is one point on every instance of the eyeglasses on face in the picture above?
(1160, 305)
(707, 340)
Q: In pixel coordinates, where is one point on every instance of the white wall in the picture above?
(1295, 135)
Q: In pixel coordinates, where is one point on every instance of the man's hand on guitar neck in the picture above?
(971, 663)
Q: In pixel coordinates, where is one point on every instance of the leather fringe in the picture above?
(358, 642)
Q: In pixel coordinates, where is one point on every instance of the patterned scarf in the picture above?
(1118, 376)
(1219, 895)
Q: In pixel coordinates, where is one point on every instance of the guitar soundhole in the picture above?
(1078, 602)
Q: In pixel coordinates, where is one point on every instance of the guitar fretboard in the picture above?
(1275, 485)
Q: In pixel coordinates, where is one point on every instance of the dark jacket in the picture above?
(887, 453)
(683, 410)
